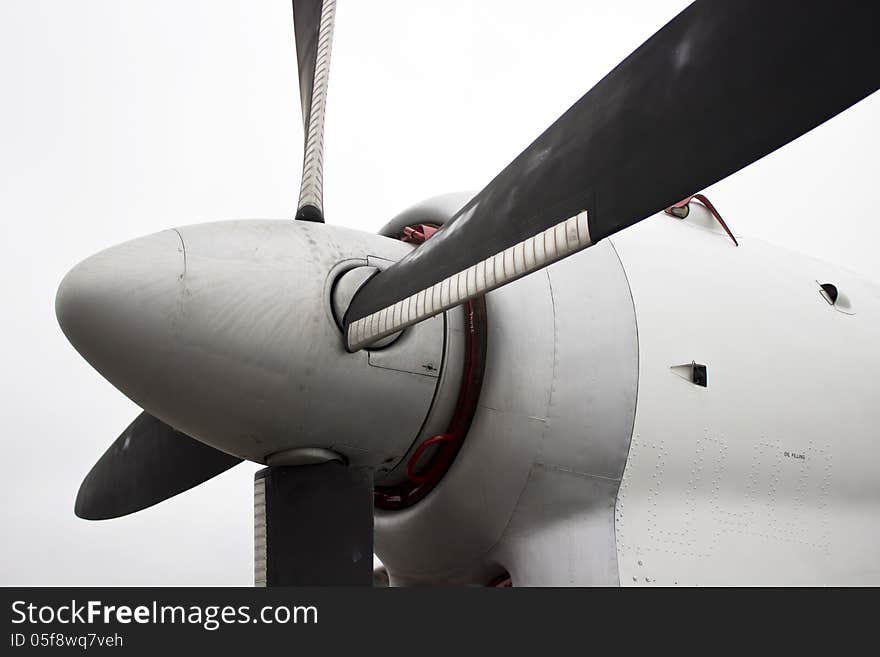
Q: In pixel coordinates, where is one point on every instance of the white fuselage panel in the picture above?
(768, 475)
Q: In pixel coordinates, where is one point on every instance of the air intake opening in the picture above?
(829, 291)
(835, 298)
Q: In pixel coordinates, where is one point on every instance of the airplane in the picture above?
(530, 386)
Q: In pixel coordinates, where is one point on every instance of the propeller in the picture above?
(313, 24)
(220, 323)
(313, 526)
(313, 520)
(720, 86)
(148, 463)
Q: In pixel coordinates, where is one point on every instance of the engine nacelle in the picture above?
(664, 407)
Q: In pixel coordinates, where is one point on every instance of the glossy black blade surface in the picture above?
(306, 26)
(723, 84)
(148, 463)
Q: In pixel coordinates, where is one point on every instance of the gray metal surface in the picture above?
(304, 456)
(446, 537)
(225, 331)
(436, 210)
(445, 397)
(596, 371)
(533, 489)
(448, 363)
(562, 533)
(419, 352)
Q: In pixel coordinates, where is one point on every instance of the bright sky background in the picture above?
(119, 119)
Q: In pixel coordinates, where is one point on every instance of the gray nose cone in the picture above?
(118, 309)
(225, 332)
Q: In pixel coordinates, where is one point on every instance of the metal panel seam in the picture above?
(636, 405)
(525, 486)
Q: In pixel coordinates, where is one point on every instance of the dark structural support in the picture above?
(313, 526)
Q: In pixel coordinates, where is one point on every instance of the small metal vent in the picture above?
(835, 298)
(695, 372)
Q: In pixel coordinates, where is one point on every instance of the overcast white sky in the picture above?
(121, 118)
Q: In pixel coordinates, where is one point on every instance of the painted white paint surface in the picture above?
(769, 474)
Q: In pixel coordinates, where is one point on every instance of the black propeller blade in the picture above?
(148, 463)
(313, 25)
(723, 84)
(313, 526)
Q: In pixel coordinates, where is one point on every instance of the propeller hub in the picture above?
(226, 332)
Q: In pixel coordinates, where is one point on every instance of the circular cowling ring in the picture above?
(423, 473)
